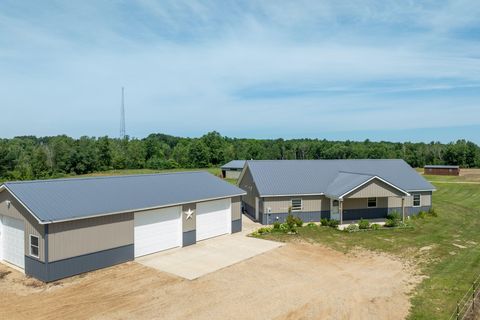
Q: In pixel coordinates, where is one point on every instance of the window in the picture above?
(372, 202)
(416, 200)
(34, 246)
(296, 204)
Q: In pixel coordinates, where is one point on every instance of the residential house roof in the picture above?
(69, 199)
(331, 177)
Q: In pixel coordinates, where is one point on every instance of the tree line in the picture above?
(30, 157)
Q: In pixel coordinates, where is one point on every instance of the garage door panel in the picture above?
(213, 218)
(157, 230)
(13, 241)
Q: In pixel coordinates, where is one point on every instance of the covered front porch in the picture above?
(371, 199)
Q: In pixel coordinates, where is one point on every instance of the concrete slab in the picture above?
(209, 255)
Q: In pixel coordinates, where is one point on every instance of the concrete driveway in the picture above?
(210, 255)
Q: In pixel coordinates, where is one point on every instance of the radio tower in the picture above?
(122, 116)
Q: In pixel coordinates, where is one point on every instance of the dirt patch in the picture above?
(295, 281)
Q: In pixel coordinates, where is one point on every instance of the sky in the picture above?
(383, 70)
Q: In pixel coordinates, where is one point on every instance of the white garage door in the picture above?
(157, 230)
(12, 241)
(213, 218)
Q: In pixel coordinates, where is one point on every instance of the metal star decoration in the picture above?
(189, 213)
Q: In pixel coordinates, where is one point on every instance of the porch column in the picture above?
(403, 209)
(340, 209)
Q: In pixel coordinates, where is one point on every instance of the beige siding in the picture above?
(17, 211)
(375, 188)
(229, 174)
(309, 203)
(362, 203)
(425, 199)
(236, 209)
(189, 224)
(79, 237)
(248, 185)
(395, 202)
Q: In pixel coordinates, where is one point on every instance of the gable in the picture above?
(375, 188)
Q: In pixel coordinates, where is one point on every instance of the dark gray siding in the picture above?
(237, 225)
(368, 213)
(69, 267)
(305, 216)
(189, 237)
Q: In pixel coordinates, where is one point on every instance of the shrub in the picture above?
(390, 223)
(422, 215)
(276, 225)
(394, 215)
(352, 228)
(375, 226)
(363, 224)
(264, 230)
(333, 223)
(432, 212)
(311, 224)
(324, 222)
(284, 227)
(291, 222)
(298, 222)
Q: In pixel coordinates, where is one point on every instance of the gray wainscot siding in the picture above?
(189, 226)
(52, 271)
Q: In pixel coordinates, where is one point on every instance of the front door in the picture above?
(334, 210)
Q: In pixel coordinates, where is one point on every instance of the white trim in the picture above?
(431, 190)
(30, 245)
(372, 178)
(292, 195)
(301, 204)
(23, 204)
(376, 202)
(419, 200)
(142, 209)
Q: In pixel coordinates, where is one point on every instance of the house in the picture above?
(344, 190)
(442, 170)
(232, 169)
(52, 229)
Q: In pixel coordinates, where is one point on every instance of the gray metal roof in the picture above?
(344, 182)
(441, 167)
(333, 177)
(234, 164)
(69, 199)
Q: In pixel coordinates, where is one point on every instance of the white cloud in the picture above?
(189, 67)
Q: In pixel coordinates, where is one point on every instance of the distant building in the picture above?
(232, 169)
(442, 170)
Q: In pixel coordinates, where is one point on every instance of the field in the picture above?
(444, 249)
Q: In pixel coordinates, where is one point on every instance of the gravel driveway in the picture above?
(294, 281)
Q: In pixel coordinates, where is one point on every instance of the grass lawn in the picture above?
(429, 245)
